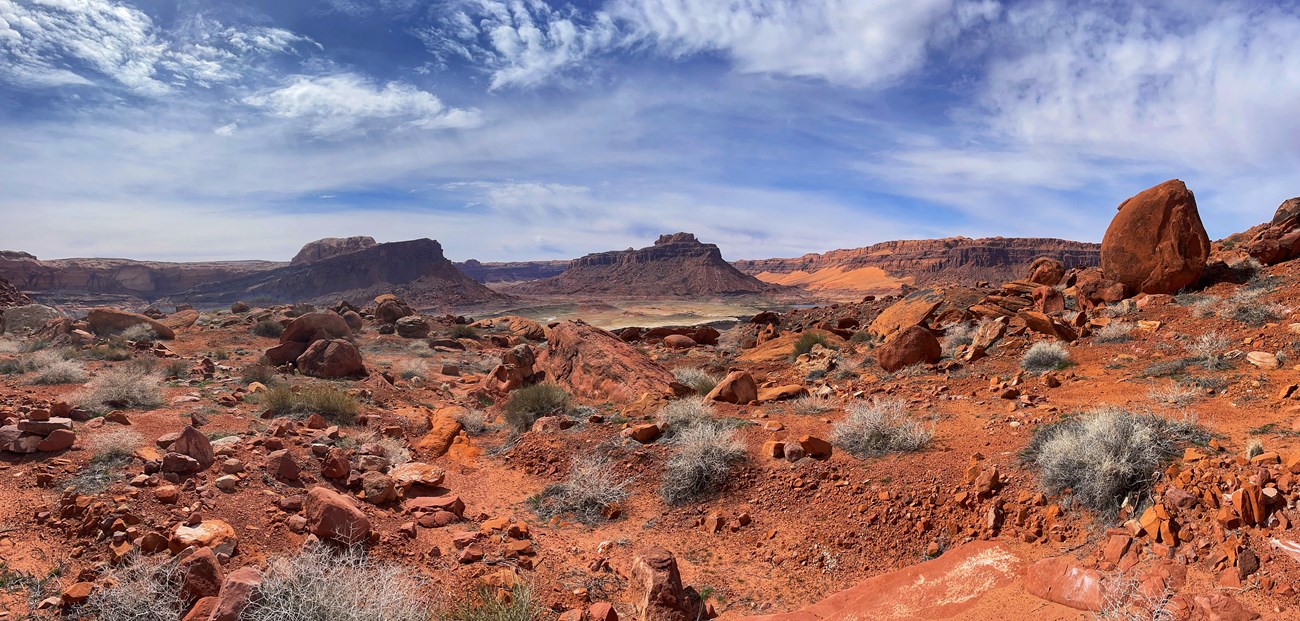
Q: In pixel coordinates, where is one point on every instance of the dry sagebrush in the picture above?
(879, 427)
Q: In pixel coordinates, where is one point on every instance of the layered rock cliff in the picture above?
(677, 265)
(415, 270)
(886, 265)
(331, 247)
(512, 272)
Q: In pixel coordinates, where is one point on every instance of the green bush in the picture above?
(331, 403)
(268, 328)
(529, 403)
(806, 342)
(462, 331)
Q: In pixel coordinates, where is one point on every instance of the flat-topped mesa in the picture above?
(331, 247)
(677, 265)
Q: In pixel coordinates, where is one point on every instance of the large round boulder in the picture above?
(1156, 243)
(110, 321)
(313, 327)
(1046, 271)
(912, 345)
(332, 359)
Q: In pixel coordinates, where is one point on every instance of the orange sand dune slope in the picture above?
(862, 280)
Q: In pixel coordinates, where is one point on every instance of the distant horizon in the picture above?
(516, 130)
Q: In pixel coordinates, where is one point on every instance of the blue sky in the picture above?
(539, 129)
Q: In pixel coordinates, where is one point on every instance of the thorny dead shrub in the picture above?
(530, 403)
(331, 403)
(957, 336)
(683, 414)
(110, 451)
(138, 332)
(586, 494)
(1126, 598)
(1114, 332)
(141, 589)
(701, 463)
(811, 405)
(474, 422)
(699, 380)
(878, 427)
(346, 585)
(485, 605)
(126, 387)
(392, 449)
(60, 372)
(411, 369)
(1043, 357)
(1244, 306)
(1107, 455)
(1207, 351)
(1174, 393)
(462, 331)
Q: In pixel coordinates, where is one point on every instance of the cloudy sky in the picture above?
(533, 129)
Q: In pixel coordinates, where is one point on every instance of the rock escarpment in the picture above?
(513, 271)
(331, 247)
(414, 270)
(884, 267)
(677, 265)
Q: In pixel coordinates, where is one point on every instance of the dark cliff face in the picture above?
(513, 271)
(676, 265)
(122, 277)
(415, 270)
(932, 260)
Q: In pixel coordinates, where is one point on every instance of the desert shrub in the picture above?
(684, 414)
(411, 369)
(1106, 456)
(1206, 306)
(701, 462)
(1043, 357)
(462, 331)
(1175, 394)
(485, 605)
(111, 450)
(474, 422)
(141, 589)
(268, 328)
(585, 494)
(331, 403)
(1255, 313)
(1207, 351)
(861, 336)
(175, 368)
(806, 342)
(878, 427)
(61, 372)
(126, 387)
(260, 372)
(1129, 598)
(529, 403)
(1254, 448)
(1114, 332)
(138, 332)
(811, 405)
(13, 366)
(320, 583)
(699, 380)
(957, 336)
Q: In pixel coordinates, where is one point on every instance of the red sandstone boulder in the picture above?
(1156, 243)
(110, 321)
(657, 585)
(237, 592)
(332, 516)
(1046, 271)
(332, 359)
(679, 341)
(200, 575)
(313, 327)
(594, 364)
(912, 345)
(1059, 579)
(738, 387)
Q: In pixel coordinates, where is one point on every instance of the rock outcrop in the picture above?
(414, 270)
(1156, 243)
(594, 364)
(331, 247)
(1277, 240)
(513, 271)
(677, 265)
(883, 268)
(10, 295)
(912, 345)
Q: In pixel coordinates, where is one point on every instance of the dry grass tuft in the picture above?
(1114, 332)
(331, 403)
(530, 403)
(126, 387)
(141, 589)
(701, 463)
(699, 380)
(683, 414)
(1044, 356)
(1108, 455)
(878, 427)
(586, 494)
(346, 585)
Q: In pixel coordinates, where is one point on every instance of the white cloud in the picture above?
(862, 43)
(50, 43)
(341, 103)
